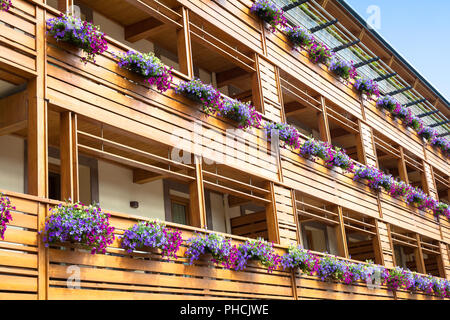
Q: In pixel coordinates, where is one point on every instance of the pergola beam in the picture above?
(415, 102)
(363, 63)
(142, 29)
(439, 124)
(323, 26)
(347, 45)
(426, 114)
(444, 134)
(393, 93)
(294, 5)
(385, 77)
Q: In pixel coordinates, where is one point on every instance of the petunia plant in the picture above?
(243, 113)
(371, 174)
(441, 143)
(319, 52)
(299, 37)
(270, 13)
(286, 133)
(5, 5)
(5, 214)
(221, 249)
(198, 91)
(148, 66)
(74, 223)
(367, 87)
(344, 69)
(388, 103)
(258, 250)
(79, 33)
(152, 234)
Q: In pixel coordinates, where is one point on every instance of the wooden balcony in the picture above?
(112, 97)
(29, 270)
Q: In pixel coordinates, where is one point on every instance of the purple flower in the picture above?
(152, 234)
(343, 69)
(206, 94)
(286, 133)
(258, 250)
(149, 67)
(79, 33)
(367, 87)
(243, 113)
(270, 13)
(319, 52)
(5, 5)
(299, 36)
(74, 223)
(5, 214)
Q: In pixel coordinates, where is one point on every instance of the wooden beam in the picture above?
(234, 201)
(418, 254)
(341, 236)
(228, 76)
(184, 46)
(13, 113)
(142, 176)
(65, 6)
(324, 127)
(11, 78)
(271, 216)
(69, 156)
(403, 173)
(197, 210)
(257, 93)
(143, 29)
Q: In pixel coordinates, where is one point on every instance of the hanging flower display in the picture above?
(5, 214)
(367, 87)
(77, 224)
(270, 13)
(153, 234)
(147, 66)
(81, 34)
(344, 69)
(5, 5)
(299, 36)
(319, 52)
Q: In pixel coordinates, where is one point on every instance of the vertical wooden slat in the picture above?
(402, 166)
(69, 156)
(324, 128)
(37, 145)
(271, 216)
(419, 256)
(341, 236)
(197, 210)
(184, 46)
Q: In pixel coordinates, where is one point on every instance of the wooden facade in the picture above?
(101, 111)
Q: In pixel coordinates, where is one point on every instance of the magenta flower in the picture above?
(270, 13)
(5, 5)
(147, 66)
(76, 224)
(79, 33)
(5, 214)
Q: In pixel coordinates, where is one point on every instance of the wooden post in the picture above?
(419, 256)
(402, 172)
(197, 212)
(341, 236)
(65, 6)
(324, 128)
(69, 156)
(184, 46)
(37, 146)
(271, 216)
(257, 94)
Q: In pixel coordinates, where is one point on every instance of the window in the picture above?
(179, 209)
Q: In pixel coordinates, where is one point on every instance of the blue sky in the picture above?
(420, 32)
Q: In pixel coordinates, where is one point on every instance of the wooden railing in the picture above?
(72, 273)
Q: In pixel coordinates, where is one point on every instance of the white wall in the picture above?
(218, 212)
(116, 190)
(12, 163)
